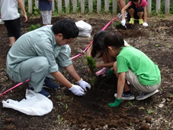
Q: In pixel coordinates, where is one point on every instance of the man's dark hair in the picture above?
(67, 27)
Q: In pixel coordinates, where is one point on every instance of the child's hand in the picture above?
(145, 24)
(116, 103)
(84, 84)
(110, 72)
(77, 90)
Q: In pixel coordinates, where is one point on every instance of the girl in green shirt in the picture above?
(131, 65)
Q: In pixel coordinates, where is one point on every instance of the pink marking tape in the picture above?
(1, 94)
(74, 57)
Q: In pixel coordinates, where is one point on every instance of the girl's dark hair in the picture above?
(113, 39)
(98, 44)
(67, 27)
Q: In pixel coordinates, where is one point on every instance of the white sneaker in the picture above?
(143, 96)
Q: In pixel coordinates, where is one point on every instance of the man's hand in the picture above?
(116, 103)
(84, 84)
(77, 90)
(123, 22)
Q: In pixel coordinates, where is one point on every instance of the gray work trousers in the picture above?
(35, 69)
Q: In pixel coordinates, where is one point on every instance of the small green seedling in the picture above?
(91, 63)
(118, 24)
(171, 95)
(150, 111)
(66, 106)
(130, 103)
(60, 119)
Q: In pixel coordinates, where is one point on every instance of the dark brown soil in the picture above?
(91, 111)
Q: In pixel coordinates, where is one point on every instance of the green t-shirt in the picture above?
(140, 64)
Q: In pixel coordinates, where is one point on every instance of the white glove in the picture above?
(123, 22)
(77, 90)
(145, 24)
(84, 84)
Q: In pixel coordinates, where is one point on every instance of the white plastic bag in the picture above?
(1, 22)
(35, 104)
(85, 29)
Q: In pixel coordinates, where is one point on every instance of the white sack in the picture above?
(1, 22)
(85, 29)
(35, 104)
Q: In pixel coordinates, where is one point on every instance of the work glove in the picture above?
(110, 72)
(77, 90)
(123, 22)
(84, 84)
(145, 24)
(116, 103)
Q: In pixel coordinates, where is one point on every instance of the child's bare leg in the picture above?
(121, 4)
(12, 40)
(131, 12)
(126, 86)
(140, 14)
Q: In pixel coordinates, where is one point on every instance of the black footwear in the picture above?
(49, 84)
(126, 96)
(43, 92)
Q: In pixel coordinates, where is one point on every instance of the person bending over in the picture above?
(131, 65)
(42, 54)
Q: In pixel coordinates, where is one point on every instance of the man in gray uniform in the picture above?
(43, 53)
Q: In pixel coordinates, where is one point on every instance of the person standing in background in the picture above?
(45, 7)
(121, 4)
(137, 10)
(11, 18)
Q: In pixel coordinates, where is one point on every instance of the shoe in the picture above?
(143, 96)
(141, 21)
(49, 84)
(43, 92)
(120, 15)
(129, 96)
(131, 21)
(101, 72)
(126, 14)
